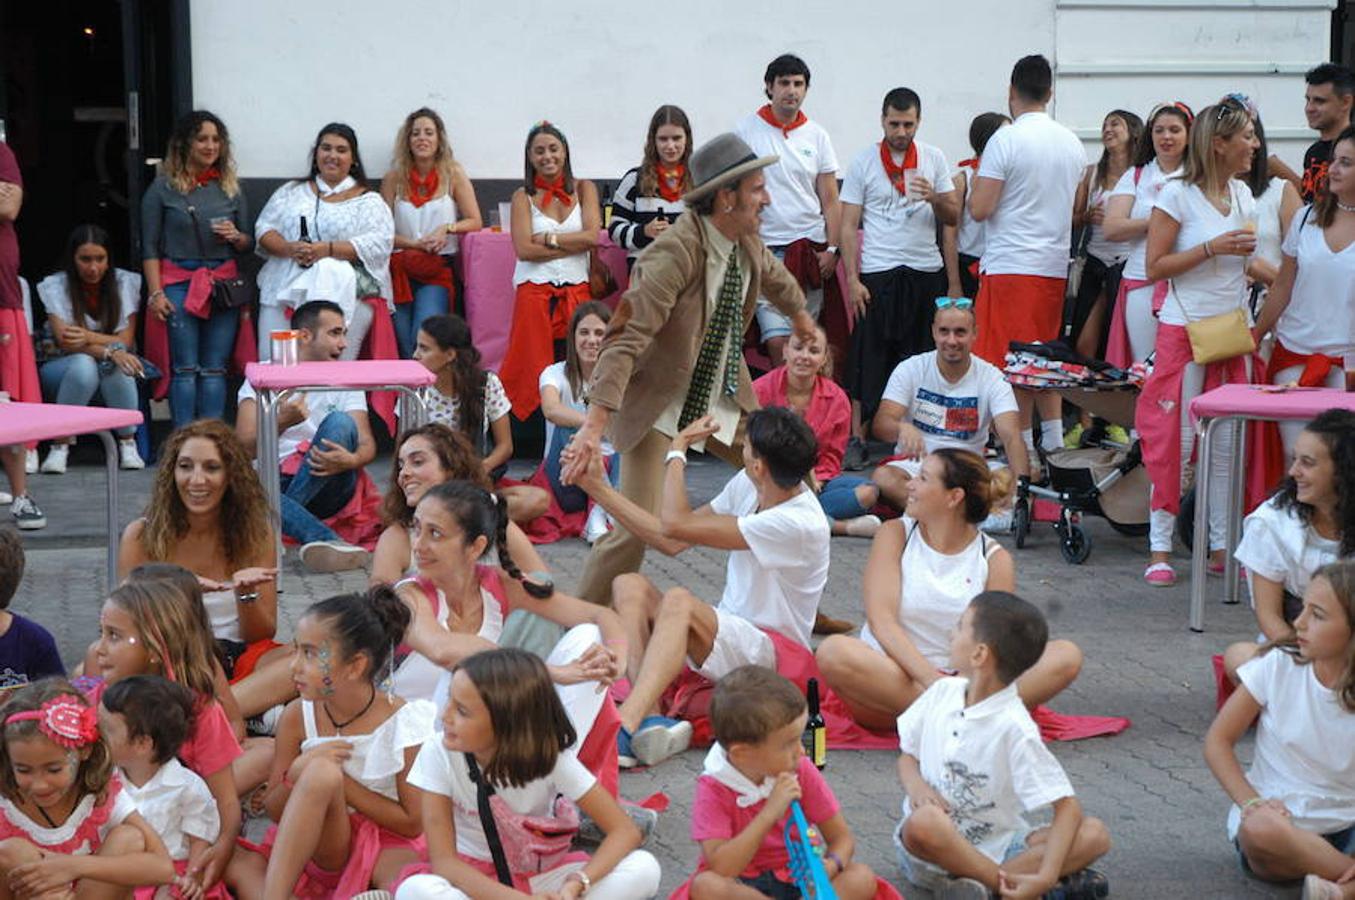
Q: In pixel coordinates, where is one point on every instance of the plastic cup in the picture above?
(284, 345)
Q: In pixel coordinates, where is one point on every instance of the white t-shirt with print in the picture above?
(803, 156)
(1303, 742)
(1219, 284)
(1320, 317)
(1039, 163)
(1151, 180)
(778, 581)
(950, 415)
(56, 297)
(893, 237)
(319, 404)
(441, 771)
(987, 761)
(445, 409)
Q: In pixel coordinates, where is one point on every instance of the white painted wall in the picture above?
(277, 71)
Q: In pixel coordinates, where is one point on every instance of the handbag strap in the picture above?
(483, 791)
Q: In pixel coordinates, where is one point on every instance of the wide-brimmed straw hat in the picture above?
(721, 161)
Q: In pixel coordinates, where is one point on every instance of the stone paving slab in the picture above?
(1150, 784)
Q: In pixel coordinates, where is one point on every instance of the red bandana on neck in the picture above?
(207, 176)
(422, 187)
(894, 173)
(670, 181)
(89, 294)
(971, 163)
(770, 118)
(554, 189)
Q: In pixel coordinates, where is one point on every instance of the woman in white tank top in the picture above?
(555, 226)
(433, 201)
(922, 572)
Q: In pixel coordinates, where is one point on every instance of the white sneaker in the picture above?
(31, 462)
(863, 526)
(26, 513)
(333, 556)
(598, 524)
(6, 498)
(55, 463)
(128, 457)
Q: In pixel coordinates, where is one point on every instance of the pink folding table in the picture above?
(275, 383)
(1240, 403)
(21, 423)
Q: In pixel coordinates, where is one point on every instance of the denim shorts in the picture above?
(932, 877)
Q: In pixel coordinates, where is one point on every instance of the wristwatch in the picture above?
(582, 878)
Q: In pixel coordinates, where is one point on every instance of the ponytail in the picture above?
(371, 624)
(541, 591)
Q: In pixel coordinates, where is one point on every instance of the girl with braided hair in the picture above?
(459, 604)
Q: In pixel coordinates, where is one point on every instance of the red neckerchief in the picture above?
(207, 176)
(770, 118)
(971, 163)
(422, 187)
(670, 181)
(89, 294)
(894, 173)
(554, 189)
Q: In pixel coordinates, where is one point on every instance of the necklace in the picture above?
(1345, 207)
(340, 726)
(42, 812)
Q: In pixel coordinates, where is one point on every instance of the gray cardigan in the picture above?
(167, 226)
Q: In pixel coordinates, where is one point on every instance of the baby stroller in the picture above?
(1107, 480)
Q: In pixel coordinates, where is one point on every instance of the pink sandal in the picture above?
(1160, 574)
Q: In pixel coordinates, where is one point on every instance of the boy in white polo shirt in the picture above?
(897, 190)
(804, 214)
(1024, 193)
(972, 762)
(777, 537)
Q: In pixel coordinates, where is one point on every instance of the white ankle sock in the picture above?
(1051, 435)
(1028, 435)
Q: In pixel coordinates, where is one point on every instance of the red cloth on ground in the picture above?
(1118, 351)
(18, 366)
(1016, 308)
(200, 281)
(598, 751)
(156, 337)
(829, 416)
(802, 261)
(359, 522)
(1157, 414)
(365, 844)
(423, 267)
(217, 891)
(541, 315)
(554, 524)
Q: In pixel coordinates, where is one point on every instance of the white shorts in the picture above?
(738, 642)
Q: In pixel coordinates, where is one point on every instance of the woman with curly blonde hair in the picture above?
(207, 513)
(433, 201)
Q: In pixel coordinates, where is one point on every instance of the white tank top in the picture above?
(970, 238)
(417, 677)
(565, 270)
(223, 614)
(416, 221)
(936, 589)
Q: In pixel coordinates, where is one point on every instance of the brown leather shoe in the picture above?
(828, 625)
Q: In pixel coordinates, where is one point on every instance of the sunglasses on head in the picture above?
(957, 302)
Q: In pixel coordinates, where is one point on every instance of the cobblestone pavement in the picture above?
(1150, 784)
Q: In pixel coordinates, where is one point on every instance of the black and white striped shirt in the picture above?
(631, 213)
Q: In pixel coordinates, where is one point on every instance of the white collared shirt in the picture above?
(177, 804)
(723, 406)
(987, 761)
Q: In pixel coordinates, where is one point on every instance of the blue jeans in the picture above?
(429, 300)
(198, 351)
(77, 378)
(307, 498)
(838, 497)
(572, 497)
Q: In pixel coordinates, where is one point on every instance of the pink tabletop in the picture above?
(358, 374)
(1252, 400)
(21, 423)
(487, 261)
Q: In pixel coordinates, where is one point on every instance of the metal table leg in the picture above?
(1238, 480)
(111, 477)
(266, 455)
(1200, 552)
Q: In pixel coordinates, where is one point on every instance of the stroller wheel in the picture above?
(1076, 545)
(1021, 523)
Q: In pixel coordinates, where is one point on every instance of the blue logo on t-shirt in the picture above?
(952, 417)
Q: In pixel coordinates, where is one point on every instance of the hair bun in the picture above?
(390, 610)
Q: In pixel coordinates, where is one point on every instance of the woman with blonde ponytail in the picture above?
(923, 570)
(459, 605)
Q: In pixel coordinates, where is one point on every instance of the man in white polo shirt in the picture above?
(945, 398)
(898, 189)
(804, 214)
(1024, 193)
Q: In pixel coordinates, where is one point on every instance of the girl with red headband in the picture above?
(66, 825)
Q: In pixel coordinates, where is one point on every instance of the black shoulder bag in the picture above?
(483, 790)
(227, 293)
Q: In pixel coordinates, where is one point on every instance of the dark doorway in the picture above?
(1342, 34)
(69, 73)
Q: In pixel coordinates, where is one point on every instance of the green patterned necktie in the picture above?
(719, 336)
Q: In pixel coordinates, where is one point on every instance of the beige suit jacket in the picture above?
(655, 335)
